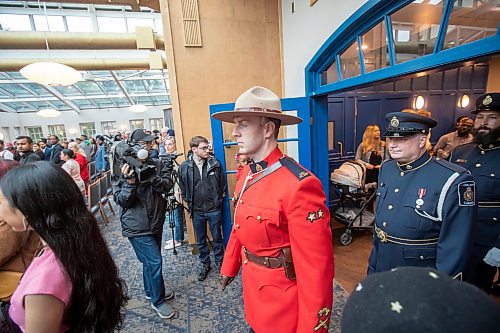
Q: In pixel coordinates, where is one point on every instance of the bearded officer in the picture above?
(482, 158)
(281, 234)
(425, 205)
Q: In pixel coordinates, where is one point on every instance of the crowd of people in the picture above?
(429, 212)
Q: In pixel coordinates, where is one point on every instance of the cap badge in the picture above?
(394, 122)
(487, 100)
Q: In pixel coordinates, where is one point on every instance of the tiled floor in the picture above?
(201, 306)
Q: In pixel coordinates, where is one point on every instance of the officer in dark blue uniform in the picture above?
(425, 205)
(482, 158)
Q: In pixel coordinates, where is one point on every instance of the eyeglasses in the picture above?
(205, 148)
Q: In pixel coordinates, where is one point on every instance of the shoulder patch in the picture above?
(450, 166)
(467, 193)
(296, 169)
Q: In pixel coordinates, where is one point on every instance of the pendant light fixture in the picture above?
(50, 73)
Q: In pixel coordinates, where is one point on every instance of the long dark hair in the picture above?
(54, 207)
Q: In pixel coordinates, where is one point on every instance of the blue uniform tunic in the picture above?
(484, 164)
(424, 214)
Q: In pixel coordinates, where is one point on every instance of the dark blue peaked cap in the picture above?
(407, 123)
(487, 102)
(418, 300)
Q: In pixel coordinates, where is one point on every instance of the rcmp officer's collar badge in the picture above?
(394, 122)
(487, 100)
(258, 166)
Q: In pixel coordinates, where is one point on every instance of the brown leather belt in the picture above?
(269, 262)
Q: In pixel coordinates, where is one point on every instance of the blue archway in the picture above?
(329, 72)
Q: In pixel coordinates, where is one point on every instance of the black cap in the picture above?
(416, 299)
(407, 123)
(487, 102)
(141, 135)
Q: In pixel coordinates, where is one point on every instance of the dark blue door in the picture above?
(294, 141)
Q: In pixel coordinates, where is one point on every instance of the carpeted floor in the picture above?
(201, 307)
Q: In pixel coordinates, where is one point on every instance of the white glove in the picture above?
(492, 258)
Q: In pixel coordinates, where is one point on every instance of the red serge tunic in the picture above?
(285, 208)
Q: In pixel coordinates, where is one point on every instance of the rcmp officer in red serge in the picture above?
(425, 205)
(281, 234)
(482, 158)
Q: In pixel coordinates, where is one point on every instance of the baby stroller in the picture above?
(355, 197)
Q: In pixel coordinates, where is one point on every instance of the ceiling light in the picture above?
(137, 108)
(51, 74)
(48, 113)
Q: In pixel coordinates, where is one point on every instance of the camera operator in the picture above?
(143, 215)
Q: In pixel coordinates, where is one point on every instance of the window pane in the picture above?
(108, 127)
(79, 24)
(415, 28)
(5, 134)
(134, 86)
(35, 133)
(163, 99)
(16, 90)
(111, 24)
(56, 23)
(84, 103)
(68, 90)
(470, 21)
(136, 124)
(349, 62)
(374, 46)
(138, 22)
(330, 75)
(58, 130)
(88, 129)
(89, 87)
(158, 27)
(155, 123)
(15, 22)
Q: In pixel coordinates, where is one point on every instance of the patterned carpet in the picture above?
(201, 307)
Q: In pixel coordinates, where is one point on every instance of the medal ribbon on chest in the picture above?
(421, 194)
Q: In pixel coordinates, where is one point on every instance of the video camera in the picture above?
(168, 160)
(137, 157)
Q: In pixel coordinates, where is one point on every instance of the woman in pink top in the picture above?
(65, 287)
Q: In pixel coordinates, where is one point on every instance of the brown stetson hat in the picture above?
(257, 102)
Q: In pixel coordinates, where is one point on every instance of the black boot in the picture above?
(204, 272)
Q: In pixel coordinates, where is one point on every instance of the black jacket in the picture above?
(55, 154)
(28, 157)
(142, 205)
(216, 177)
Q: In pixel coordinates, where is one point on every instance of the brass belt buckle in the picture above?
(381, 235)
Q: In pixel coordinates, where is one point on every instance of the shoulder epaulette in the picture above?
(296, 169)
(451, 166)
